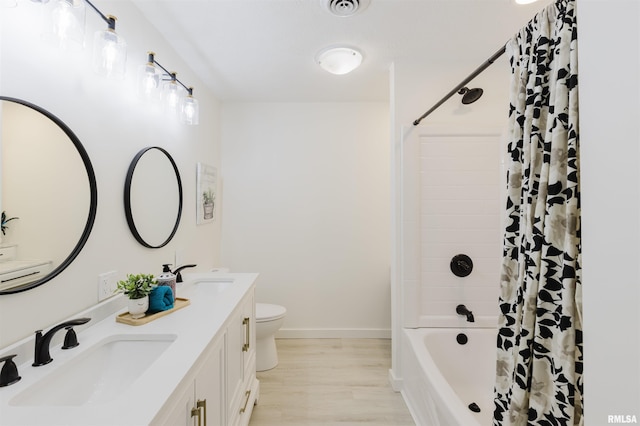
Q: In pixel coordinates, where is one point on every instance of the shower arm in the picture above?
(464, 82)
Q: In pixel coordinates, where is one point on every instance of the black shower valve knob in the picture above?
(461, 265)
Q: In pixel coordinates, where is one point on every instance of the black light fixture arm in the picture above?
(464, 82)
(110, 20)
(152, 60)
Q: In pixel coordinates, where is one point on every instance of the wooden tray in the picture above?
(126, 317)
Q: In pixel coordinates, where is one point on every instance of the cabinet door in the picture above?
(241, 362)
(235, 363)
(179, 413)
(210, 386)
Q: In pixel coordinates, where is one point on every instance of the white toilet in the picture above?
(269, 319)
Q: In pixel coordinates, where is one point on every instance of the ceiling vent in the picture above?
(344, 8)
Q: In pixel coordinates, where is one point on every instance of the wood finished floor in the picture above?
(321, 382)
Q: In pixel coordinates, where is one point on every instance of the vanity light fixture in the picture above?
(525, 1)
(171, 93)
(109, 48)
(189, 109)
(177, 98)
(68, 20)
(339, 59)
(149, 79)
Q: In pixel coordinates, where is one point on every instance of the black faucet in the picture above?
(41, 354)
(179, 275)
(462, 310)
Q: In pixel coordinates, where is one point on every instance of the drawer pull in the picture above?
(247, 334)
(195, 412)
(247, 394)
(203, 404)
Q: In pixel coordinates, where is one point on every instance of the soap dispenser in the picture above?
(168, 278)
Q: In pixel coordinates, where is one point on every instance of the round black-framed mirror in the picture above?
(169, 202)
(92, 191)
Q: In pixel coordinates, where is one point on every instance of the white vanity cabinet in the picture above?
(221, 388)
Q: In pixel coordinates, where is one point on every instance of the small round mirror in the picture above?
(153, 197)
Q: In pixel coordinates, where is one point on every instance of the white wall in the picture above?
(306, 204)
(609, 73)
(113, 126)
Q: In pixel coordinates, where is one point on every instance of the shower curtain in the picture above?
(539, 363)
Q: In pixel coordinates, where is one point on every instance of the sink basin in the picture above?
(97, 375)
(207, 287)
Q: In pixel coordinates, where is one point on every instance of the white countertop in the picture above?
(195, 326)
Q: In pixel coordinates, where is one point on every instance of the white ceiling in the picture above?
(263, 50)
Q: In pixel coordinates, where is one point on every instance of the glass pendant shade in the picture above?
(68, 20)
(171, 96)
(189, 110)
(148, 82)
(109, 54)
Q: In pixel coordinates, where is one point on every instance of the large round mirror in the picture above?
(49, 186)
(153, 197)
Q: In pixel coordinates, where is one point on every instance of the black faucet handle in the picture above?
(9, 373)
(70, 339)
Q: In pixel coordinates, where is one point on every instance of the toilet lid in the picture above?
(269, 312)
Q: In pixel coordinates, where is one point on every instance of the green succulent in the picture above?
(137, 286)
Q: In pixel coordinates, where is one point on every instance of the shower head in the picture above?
(469, 96)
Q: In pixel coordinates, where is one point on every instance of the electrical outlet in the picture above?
(106, 285)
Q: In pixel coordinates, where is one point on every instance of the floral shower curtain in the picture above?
(539, 363)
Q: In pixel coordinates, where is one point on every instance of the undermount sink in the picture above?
(97, 375)
(208, 287)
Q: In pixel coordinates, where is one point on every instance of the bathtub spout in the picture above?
(462, 310)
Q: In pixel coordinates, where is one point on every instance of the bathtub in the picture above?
(441, 377)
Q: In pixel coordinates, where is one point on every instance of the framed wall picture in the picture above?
(206, 193)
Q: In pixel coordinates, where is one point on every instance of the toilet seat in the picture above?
(268, 312)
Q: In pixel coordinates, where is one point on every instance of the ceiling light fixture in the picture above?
(154, 85)
(339, 59)
(525, 1)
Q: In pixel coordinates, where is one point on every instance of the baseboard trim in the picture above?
(396, 382)
(334, 333)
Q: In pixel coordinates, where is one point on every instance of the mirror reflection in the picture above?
(153, 197)
(48, 183)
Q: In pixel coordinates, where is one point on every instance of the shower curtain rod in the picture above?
(464, 82)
